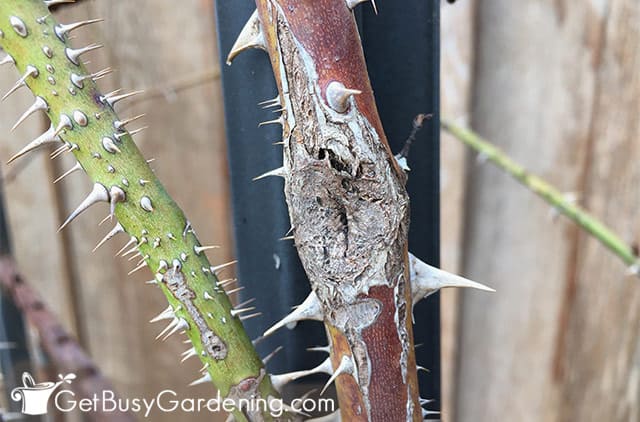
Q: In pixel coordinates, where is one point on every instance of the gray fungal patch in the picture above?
(176, 283)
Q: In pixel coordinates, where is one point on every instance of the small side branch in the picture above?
(65, 353)
(548, 193)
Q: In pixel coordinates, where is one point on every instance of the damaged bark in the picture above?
(347, 201)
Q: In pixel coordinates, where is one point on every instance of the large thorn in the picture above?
(116, 230)
(63, 30)
(353, 3)
(47, 138)
(279, 381)
(251, 36)
(309, 309)
(31, 71)
(73, 54)
(347, 366)
(167, 313)
(426, 280)
(73, 169)
(280, 172)
(98, 194)
(39, 105)
(339, 96)
(204, 379)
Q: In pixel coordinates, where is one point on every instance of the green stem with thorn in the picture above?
(547, 192)
(84, 122)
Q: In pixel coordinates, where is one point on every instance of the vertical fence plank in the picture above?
(557, 87)
(456, 67)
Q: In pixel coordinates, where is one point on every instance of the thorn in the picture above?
(204, 379)
(338, 96)
(139, 267)
(7, 59)
(353, 3)
(116, 194)
(279, 381)
(217, 268)
(237, 310)
(131, 241)
(31, 71)
(308, 310)
(63, 30)
(65, 123)
(199, 249)
(426, 280)
(347, 366)
(60, 150)
(145, 204)
(39, 104)
(325, 349)
(47, 138)
(179, 325)
(132, 133)
(251, 36)
(120, 124)
(116, 230)
(112, 100)
(279, 120)
(74, 54)
(245, 303)
(168, 313)
(288, 238)
(189, 353)
(78, 80)
(169, 327)
(73, 169)
(98, 194)
(236, 290)
(109, 145)
(270, 103)
(227, 282)
(280, 171)
(250, 316)
(272, 354)
(175, 325)
(207, 296)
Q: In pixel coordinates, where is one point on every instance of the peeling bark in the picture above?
(347, 202)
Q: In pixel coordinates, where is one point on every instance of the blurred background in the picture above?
(554, 83)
